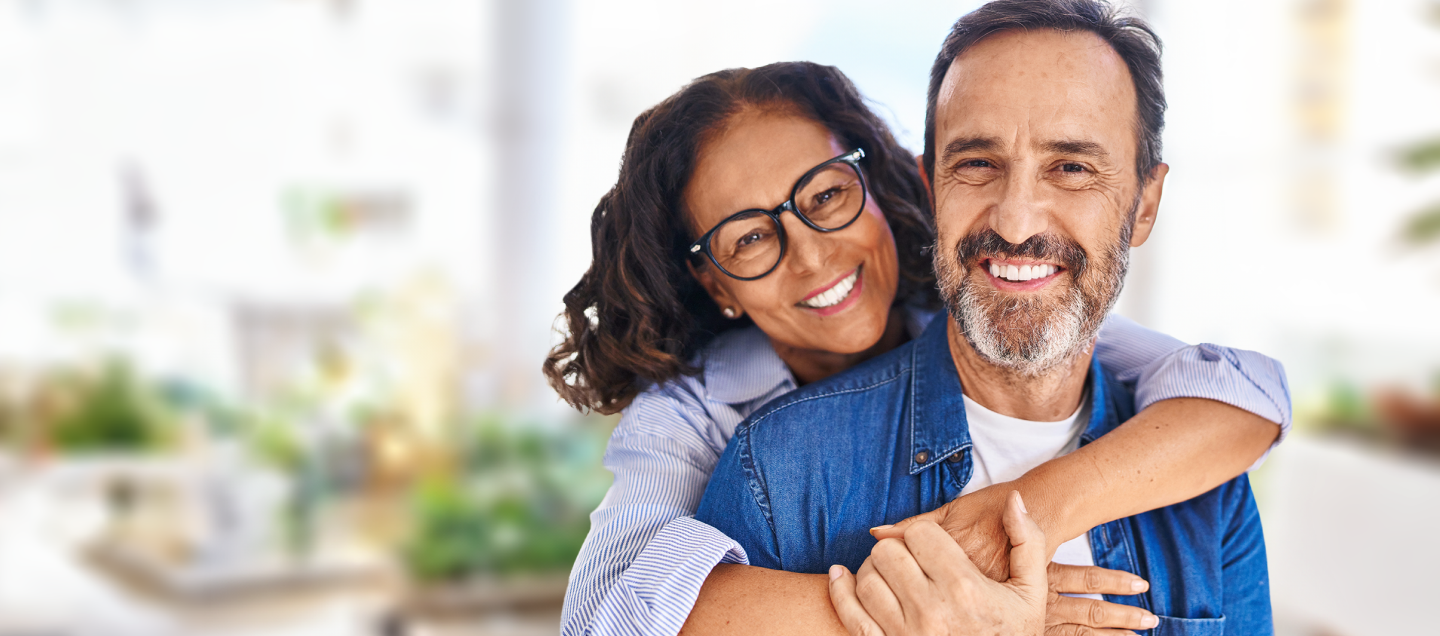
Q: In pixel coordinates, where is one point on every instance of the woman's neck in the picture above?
(812, 365)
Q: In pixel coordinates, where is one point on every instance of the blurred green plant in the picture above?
(520, 504)
(112, 411)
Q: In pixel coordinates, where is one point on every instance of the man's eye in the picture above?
(976, 163)
(1072, 167)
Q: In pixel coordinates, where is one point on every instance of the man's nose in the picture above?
(1020, 213)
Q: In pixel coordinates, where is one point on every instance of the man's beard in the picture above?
(1031, 334)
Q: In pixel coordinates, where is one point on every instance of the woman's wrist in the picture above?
(1056, 501)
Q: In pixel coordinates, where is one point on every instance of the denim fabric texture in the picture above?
(804, 479)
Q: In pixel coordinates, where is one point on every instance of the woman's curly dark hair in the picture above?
(637, 315)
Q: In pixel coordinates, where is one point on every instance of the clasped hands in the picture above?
(978, 566)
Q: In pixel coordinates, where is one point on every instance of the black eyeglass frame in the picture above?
(852, 158)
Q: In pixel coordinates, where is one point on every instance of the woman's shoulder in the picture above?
(737, 371)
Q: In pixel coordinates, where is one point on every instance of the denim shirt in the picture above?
(804, 479)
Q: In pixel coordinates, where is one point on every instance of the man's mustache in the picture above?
(1045, 247)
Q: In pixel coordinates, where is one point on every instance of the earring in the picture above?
(729, 313)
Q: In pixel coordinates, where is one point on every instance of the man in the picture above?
(1042, 145)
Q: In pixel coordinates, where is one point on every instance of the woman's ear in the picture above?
(705, 276)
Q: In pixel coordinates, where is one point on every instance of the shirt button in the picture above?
(922, 457)
(954, 458)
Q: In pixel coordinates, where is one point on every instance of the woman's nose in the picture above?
(807, 249)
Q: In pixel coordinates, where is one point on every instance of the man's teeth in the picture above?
(1021, 273)
(835, 294)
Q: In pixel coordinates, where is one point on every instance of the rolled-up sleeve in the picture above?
(645, 559)
(1161, 367)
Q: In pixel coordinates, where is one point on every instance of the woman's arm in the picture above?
(1172, 450)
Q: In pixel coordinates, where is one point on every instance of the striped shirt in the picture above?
(646, 557)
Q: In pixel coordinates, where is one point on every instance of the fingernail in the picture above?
(1139, 585)
(1150, 621)
(884, 527)
(1022, 503)
(835, 572)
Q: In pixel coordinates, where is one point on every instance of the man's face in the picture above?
(1037, 199)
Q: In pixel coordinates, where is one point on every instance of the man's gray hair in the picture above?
(1131, 38)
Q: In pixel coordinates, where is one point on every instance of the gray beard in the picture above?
(1031, 336)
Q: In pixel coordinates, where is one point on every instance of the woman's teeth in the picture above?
(835, 294)
(1022, 273)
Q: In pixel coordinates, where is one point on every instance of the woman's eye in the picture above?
(824, 197)
(749, 239)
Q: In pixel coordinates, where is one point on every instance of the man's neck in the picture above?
(1048, 397)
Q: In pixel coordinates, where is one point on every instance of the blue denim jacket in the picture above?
(805, 478)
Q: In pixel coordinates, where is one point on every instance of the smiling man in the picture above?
(1043, 149)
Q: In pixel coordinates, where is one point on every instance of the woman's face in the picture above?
(804, 303)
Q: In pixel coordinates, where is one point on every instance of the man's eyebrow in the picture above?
(1080, 147)
(966, 144)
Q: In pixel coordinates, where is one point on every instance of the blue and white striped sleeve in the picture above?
(646, 557)
(1161, 367)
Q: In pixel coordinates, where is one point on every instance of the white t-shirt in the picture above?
(1006, 448)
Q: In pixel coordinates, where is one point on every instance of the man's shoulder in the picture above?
(877, 380)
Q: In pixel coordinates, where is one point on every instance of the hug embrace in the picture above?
(868, 392)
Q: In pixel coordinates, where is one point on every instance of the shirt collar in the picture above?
(742, 366)
(938, 427)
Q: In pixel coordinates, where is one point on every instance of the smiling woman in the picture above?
(766, 231)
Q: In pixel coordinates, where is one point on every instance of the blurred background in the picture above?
(276, 278)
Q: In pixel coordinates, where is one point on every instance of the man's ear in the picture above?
(1149, 205)
(925, 179)
(705, 276)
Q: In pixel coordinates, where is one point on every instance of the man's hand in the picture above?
(1069, 616)
(974, 521)
(924, 583)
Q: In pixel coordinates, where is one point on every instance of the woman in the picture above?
(693, 315)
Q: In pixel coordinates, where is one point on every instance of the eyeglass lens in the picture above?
(750, 244)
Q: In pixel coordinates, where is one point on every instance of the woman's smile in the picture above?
(838, 296)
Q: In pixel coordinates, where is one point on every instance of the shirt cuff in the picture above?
(1240, 378)
(658, 590)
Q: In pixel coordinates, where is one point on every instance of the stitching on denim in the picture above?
(754, 479)
(756, 422)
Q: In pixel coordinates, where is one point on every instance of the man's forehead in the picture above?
(1071, 81)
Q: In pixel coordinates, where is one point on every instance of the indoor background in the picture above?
(276, 278)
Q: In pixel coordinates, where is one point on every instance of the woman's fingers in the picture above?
(1027, 552)
(897, 529)
(1088, 579)
(1087, 612)
(847, 605)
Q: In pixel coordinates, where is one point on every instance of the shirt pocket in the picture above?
(1189, 627)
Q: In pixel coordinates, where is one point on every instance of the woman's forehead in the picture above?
(754, 161)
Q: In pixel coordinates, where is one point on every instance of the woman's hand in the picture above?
(1069, 616)
(924, 583)
(974, 522)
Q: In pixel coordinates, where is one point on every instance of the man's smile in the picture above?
(1018, 275)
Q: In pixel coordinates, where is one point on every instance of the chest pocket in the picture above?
(1189, 627)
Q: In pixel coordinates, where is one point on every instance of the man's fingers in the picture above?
(1027, 554)
(892, 559)
(1081, 630)
(847, 605)
(1088, 612)
(1088, 579)
(877, 598)
(937, 554)
(897, 530)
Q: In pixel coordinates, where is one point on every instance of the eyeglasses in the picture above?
(749, 244)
